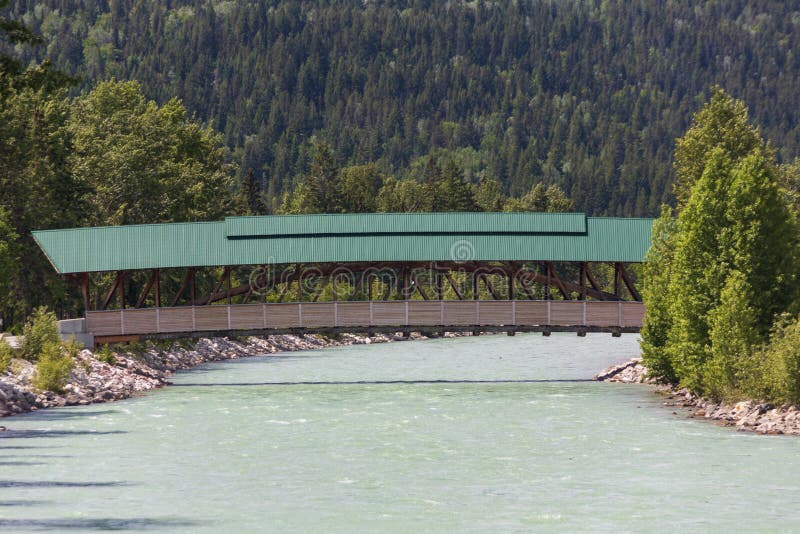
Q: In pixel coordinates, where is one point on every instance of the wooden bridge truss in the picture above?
(434, 297)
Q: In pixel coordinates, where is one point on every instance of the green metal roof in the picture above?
(348, 238)
(404, 223)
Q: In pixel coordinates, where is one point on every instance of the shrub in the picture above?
(105, 354)
(780, 361)
(6, 353)
(52, 368)
(40, 330)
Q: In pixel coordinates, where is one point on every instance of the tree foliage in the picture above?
(40, 331)
(724, 268)
(108, 156)
(541, 198)
(587, 95)
(146, 163)
(722, 123)
(53, 367)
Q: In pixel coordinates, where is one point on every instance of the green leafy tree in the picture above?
(720, 124)
(488, 194)
(37, 188)
(401, 196)
(8, 256)
(698, 275)
(733, 335)
(542, 199)
(146, 163)
(729, 262)
(358, 187)
(760, 238)
(656, 274)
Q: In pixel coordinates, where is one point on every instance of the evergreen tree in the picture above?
(251, 195)
(452, 192)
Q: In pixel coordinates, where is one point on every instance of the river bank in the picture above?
(97, 377)
(746, 416)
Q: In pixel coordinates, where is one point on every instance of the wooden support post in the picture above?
(475, 288)
(193, 288)
(157, 275)
(122, 292)
(299, 284)
(629, 283)
(143, 297)
(85, 291)
(547, 294)
(584, 266)
(595, 285)
(185, 282)
(318, 287)
(418, 287)
(369, 286)
(454, 286)
(617, 281)
(406, 283)
(113, 290)
(551, 274)
(489, 286)
(439, 288)
(511, 290)
(228, 283)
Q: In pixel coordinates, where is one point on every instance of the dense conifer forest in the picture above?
(587, 95)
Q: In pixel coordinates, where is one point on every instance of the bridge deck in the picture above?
(368, 316)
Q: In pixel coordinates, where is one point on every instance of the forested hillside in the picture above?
(589, 95)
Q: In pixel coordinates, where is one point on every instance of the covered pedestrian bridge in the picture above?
(431, 272)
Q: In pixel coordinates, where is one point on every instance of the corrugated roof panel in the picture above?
(404, 223)
(206, 244)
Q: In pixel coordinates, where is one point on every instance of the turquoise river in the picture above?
(488, 434)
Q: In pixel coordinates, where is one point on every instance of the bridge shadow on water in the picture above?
(384, 382)
(99, 524)
(60, 484)
(33, 433)
(70, 413)
(26, 503)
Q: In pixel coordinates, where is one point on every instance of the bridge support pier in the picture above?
(581, 332)
(546, 331)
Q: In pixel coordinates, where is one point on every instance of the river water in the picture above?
(489, 434)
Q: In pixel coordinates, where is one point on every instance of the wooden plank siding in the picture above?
(365, 314)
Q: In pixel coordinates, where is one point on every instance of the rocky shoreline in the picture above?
(746, 416)
(94, 380)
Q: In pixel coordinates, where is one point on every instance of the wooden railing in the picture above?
(460, 314)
